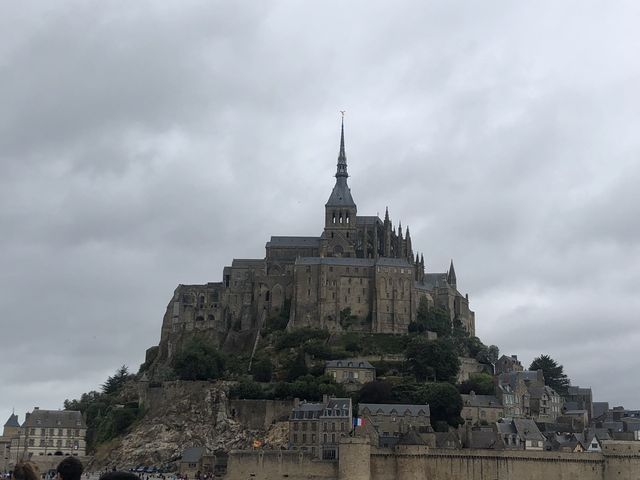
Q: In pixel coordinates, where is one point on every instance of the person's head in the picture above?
(117, 475)
(70, 469)
(25, 471)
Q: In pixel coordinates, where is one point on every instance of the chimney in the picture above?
(296, 402)
(325, 398)
(36, 408)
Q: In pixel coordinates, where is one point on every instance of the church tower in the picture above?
(340, 212)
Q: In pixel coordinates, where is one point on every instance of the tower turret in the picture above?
(451, 276)
(409, 252)
(340, 210)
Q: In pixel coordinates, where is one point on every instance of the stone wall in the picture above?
(359, 461)
(269, 465)
(259, 414)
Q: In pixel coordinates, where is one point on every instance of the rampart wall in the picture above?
(358, 461)
(277, 464)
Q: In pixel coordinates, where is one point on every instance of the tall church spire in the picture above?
(341, 194)
(342, 156)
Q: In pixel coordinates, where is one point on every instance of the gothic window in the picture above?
(347, 219)
(341, 218)
(333, 220)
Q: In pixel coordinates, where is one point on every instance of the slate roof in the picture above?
(192, 455)
(292, 242)
(392, 262)
(485, 439)
(433, 280)
(13, 421)
(349, 363)
(396, 409)
(367, 220)
(481, 401)
(55, 418)
(247, 262)
(600, 408)
(411, 438)
(527, 429)
(340, 195)
(338, 403)
(340, 261)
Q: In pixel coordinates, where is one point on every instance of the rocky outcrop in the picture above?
(184, 414)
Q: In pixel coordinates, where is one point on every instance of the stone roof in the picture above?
(338, 403)
(292, 242)
(433, 280)
(392, 262)
(55, 418)
(367, 220)
(527, 429)
(247, 262)
(485, 439)
(339, 261)
(340, 195)
(349, 363)
(475, 400)
(192, 455)
(309, 407)
(411, 438)
(13, 421)
(395, 409)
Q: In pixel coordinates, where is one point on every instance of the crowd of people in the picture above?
(68, 469)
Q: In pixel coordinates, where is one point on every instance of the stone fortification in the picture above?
(359, 275)
(359, 461)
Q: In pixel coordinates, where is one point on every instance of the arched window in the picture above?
(341, 218)
(347, 218)
(334, 218)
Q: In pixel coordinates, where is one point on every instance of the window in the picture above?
(304, 438)
(295, 425)
(295, 438)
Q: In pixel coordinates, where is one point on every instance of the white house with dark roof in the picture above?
(51, 432)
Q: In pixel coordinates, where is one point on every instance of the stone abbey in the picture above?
(360, 274)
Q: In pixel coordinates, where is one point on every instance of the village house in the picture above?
(351, 372)
(392, 421)
(481, 409)
(316, 428)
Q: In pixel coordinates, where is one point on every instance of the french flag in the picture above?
(358, 422)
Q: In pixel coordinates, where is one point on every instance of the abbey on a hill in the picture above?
(360, 274)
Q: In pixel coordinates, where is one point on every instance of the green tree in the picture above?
(378, 391)
(554, 375)
(297, 367)
(433, 359)
(115, 383)
(444, 400)
(439, 322)
(480, 383)
(199, 359)
(262, 369)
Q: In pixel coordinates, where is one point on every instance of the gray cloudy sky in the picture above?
(146, 144)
